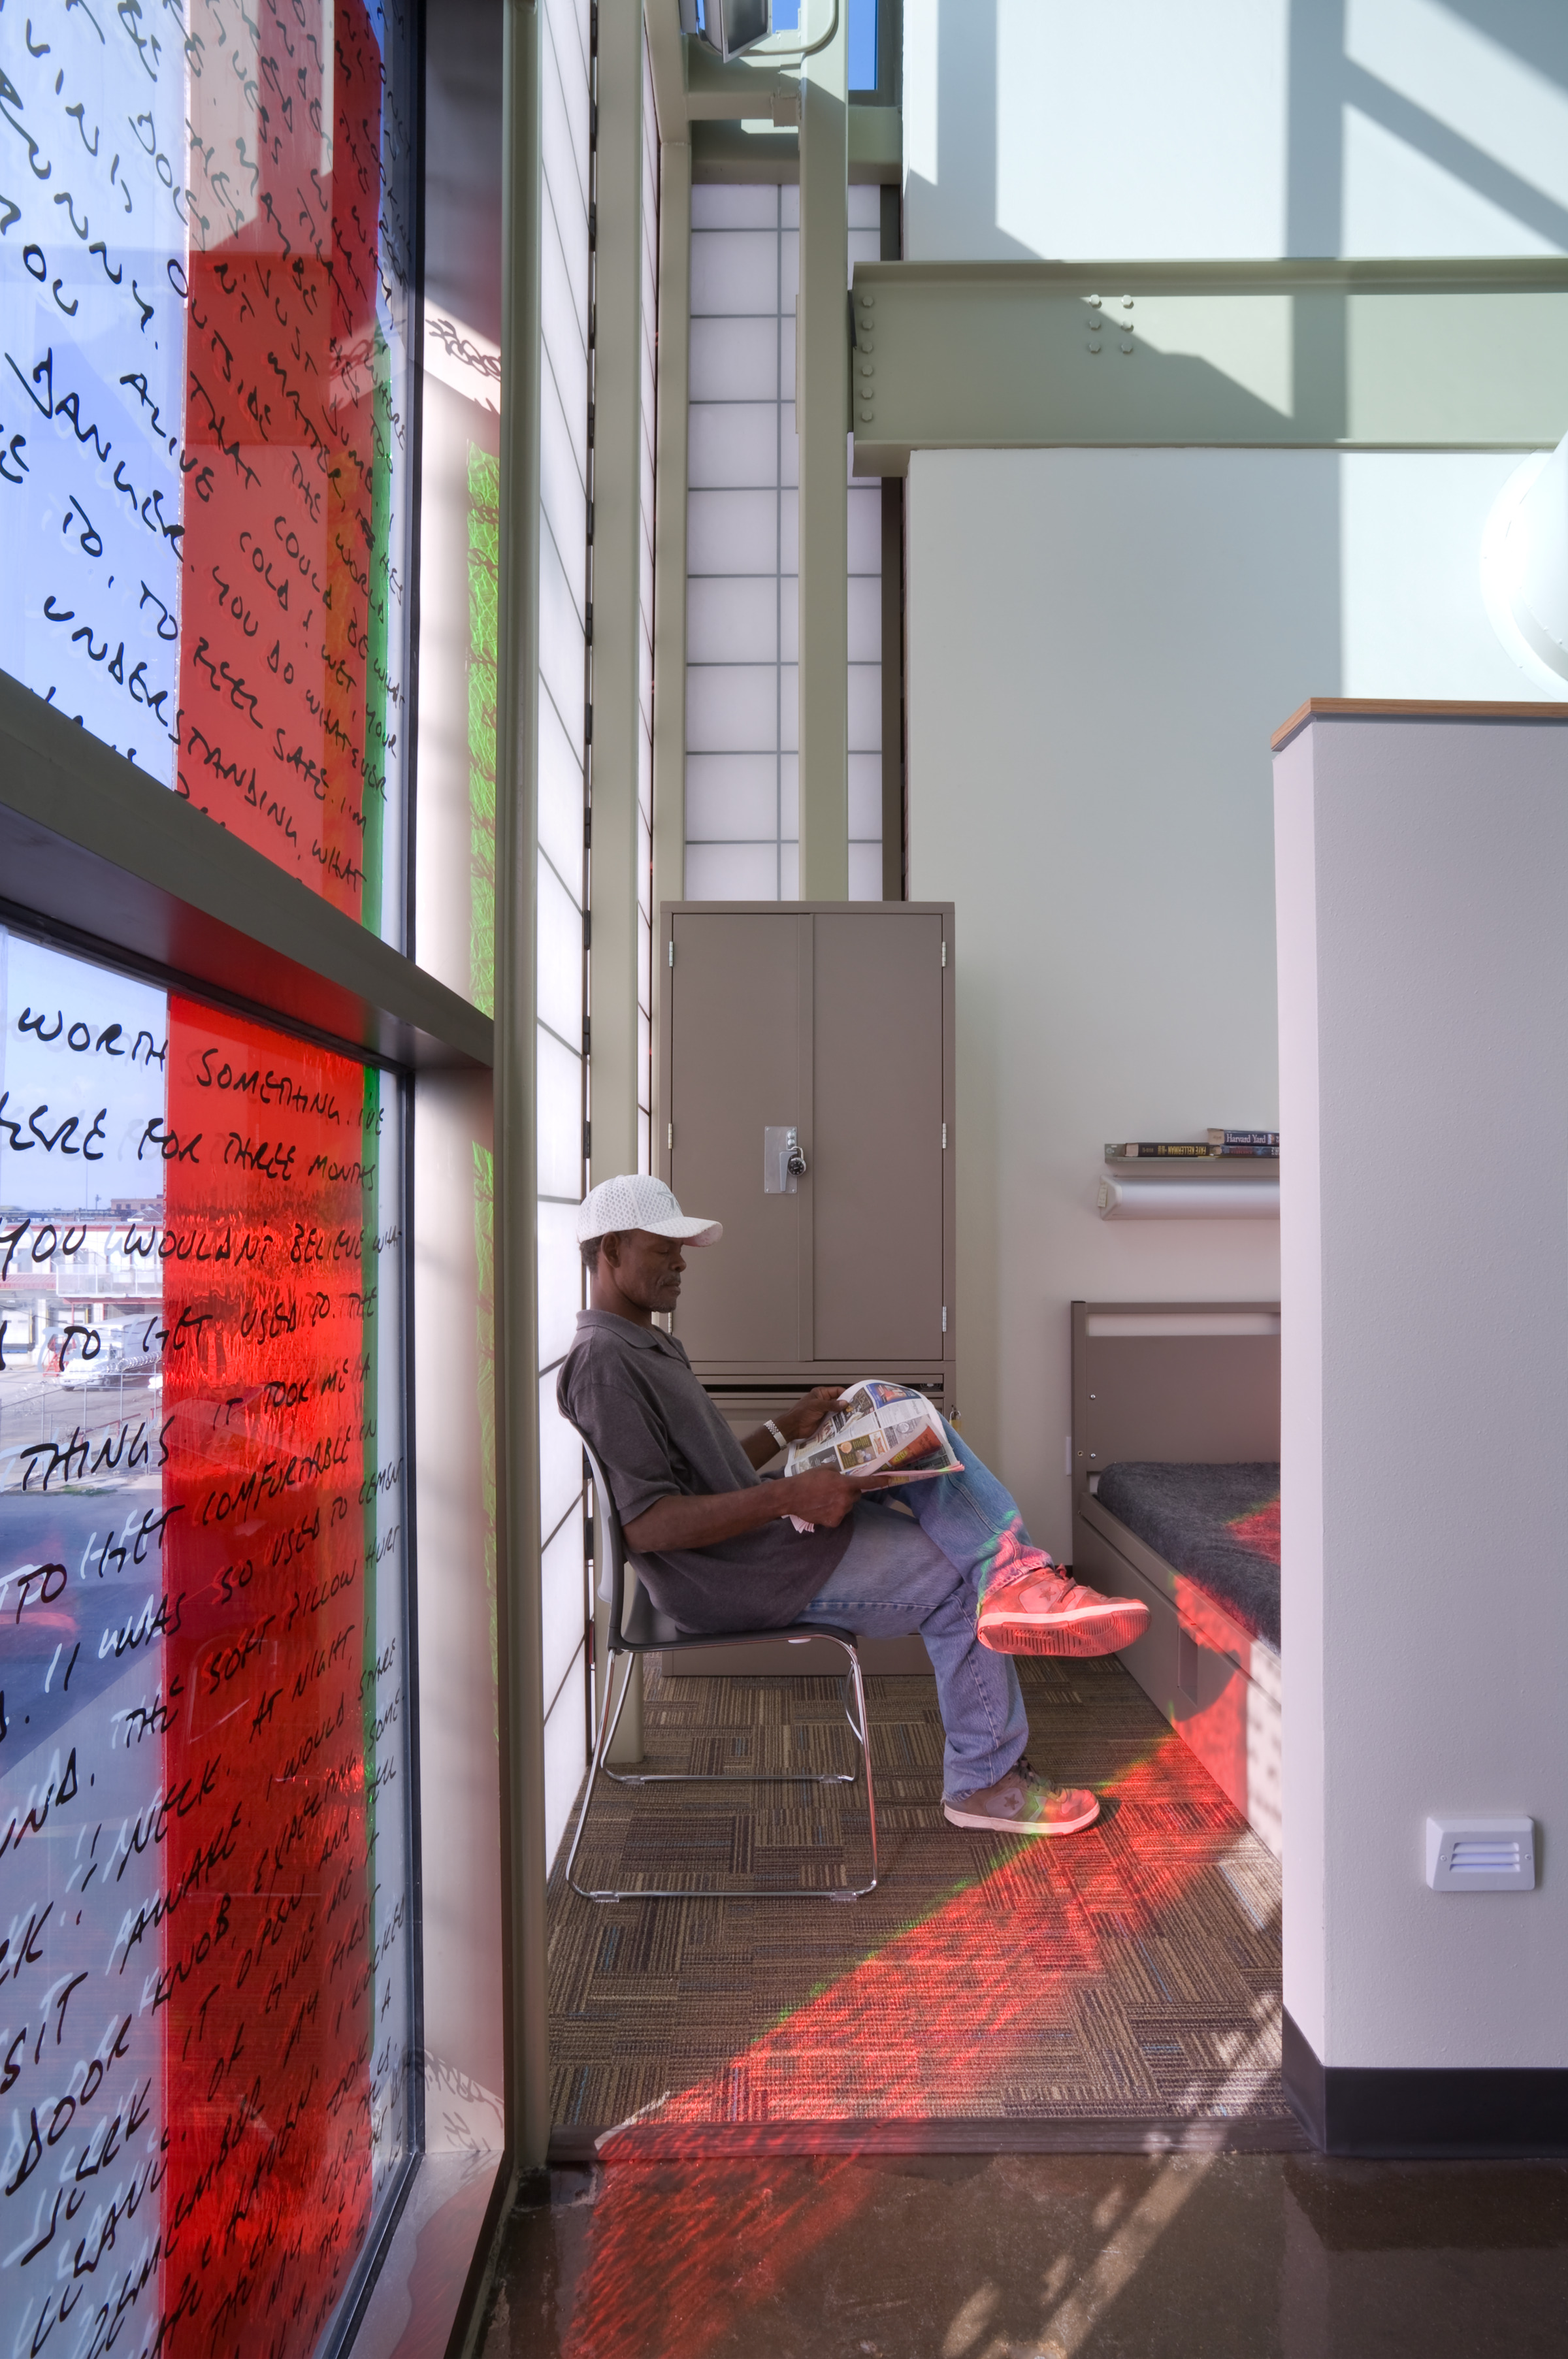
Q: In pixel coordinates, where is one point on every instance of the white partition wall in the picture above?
(565, 490)
(1422, 890)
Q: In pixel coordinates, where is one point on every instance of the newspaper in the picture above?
(877, 1429)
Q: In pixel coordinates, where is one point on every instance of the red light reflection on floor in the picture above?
(679, 2253)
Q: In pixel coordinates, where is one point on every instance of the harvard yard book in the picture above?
(1259, 1142)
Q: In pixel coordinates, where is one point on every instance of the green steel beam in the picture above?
(1465, 355)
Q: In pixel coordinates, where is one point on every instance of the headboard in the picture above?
(1184, 1382)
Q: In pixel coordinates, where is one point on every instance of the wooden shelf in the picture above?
(1202, 1166)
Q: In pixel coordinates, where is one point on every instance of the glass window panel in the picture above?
(560, 1460)
(559, 793)
(865, 798)
(865, 199)
(733, 443)
(561, 492)
(560, 957)
(788, 617)
(205, 1776)
(788, 708)
(864, 708)
(790, 205)
(865, 531)
(731, 797)
(789, 270)
(560, 1104)
(866, 871)
(732, 532)
(865, 246)
(733, 270)
(787, 357)
(732, 707)
(788, 445)
(565, 208)
(789, 872)
(731, 871)
(565, 1751)
(732, 621)
(735, 359)
(733, 206)
(561, 634)
(207, 450)
(563, 1596)
(865, 618)
(789, 533)
(788, 794)
(560, 1281)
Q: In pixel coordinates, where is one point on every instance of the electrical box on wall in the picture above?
(1480, 1855)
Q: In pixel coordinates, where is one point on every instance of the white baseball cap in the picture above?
(636, 1199)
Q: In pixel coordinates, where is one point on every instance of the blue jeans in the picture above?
(930, 1575)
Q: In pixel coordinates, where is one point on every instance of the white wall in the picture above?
(1100, 643)
(1235, 127)
(1423, 974)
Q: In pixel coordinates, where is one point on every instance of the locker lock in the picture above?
(783, 1163)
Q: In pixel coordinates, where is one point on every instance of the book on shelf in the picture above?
(1265, 1141)
(1219, 1153)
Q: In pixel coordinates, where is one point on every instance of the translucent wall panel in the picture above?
(205, 283)
(564, 589)
(742, 784)
(204, 1765)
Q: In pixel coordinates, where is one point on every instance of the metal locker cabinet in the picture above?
(835, 1019)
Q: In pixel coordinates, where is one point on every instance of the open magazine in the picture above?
(878, 1429)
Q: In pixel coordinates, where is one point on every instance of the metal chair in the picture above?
(636, 1627)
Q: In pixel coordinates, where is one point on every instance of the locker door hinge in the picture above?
(587, 929)
(587, 1142)
(587, 1036)
(945, 1138)
(669, 1136)
(587, 1539)
(945, 1318)
(944, 953)
(588, 724)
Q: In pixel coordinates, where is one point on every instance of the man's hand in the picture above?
(823, 1497)
(810, 1412)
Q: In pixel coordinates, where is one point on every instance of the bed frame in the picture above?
(1189, 1383)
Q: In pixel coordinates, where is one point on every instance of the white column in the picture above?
(1423, 886)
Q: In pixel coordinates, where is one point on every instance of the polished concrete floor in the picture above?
(1026, 2257)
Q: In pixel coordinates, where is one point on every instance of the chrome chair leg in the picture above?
(860, 1725)
(607, 1727)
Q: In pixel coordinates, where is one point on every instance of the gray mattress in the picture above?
(1218, 1524)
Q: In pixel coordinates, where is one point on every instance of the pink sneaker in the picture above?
(1043, 1613)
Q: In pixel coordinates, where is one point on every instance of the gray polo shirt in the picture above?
(632, 1391)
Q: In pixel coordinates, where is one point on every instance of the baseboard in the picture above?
(1419, 2112)
(690, 2141)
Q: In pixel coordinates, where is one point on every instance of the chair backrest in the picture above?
(609, 1547)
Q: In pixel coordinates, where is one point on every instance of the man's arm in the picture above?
(688, 1523)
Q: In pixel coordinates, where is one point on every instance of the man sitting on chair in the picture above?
(716, 1551)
